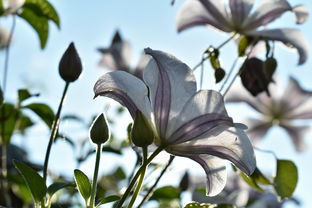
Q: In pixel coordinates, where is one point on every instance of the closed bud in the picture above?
(142, 133)
(99, 131)
(185, 182)
(70, 66)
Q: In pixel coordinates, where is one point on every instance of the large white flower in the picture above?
(235, 16)
(280, 109)
(187, 122)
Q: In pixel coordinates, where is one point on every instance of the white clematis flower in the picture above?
(235, 16)
(187, 122)
(280, 109)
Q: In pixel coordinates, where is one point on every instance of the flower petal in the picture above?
(171, 84)
(302, 14)
(117, 57)
(205, 12)
(125, 89)
(257, 129)
(266, 13)
(300, 104)
(296, 134)
(232, 144)
(240, 10)
(288, 36)
(204, 112)
(215, 170)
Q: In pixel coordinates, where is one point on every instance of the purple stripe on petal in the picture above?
(215, 123)
(122, 98)
(162, 100)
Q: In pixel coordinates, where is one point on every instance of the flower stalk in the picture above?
(54, 129)
(95, 175)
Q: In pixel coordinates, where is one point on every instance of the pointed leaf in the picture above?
(108, 199)
(259, 178)
(251, 182)
(8, 118)
(23, 123)
(43, 111)
(43, 8)
(34, 181)
(53, 188)
(39, 23)
(23, 94)
(166, 192)
(219, 74)
(286, 178)
(83, 184)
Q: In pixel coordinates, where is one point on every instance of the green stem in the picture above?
(229, 74)
(218, 48)
(151, 189)
(95, 175)
(136, 176)
(54, 132)
(141, 179)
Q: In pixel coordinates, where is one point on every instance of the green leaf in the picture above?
(43, 8)
(43, 111)
(166, 192)
(53, 188)
(23, 123)
(8, 118)
(251, 182)
(34, 181)
(23, 94)
(1, 97)
(259, 178)
(108, 199)
(83, 184)
(39, 23)
(286, 178)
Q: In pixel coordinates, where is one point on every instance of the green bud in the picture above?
(70, 66)
(99, 131)
(185, 182)
(142, 133)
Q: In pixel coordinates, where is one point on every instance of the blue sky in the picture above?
(91, 24)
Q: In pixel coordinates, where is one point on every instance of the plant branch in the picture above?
(95, 175)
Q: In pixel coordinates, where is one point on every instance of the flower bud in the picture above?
(142, 133)
(99, 131)
(70, 66)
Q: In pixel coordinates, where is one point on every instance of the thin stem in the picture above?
(229, 74)
(7, 55)
(218, 48)
(95, 175)
(201, 73)
(152, 188)
(4, 163)
(54, 132)
(140, 182)
(266, 151)
(136, 176)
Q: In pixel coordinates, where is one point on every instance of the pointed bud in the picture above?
(70, 66)
(142, 133)
(184, 183)
(99, 131)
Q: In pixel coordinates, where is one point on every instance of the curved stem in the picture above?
(95, 175)
(151, 189)
(136, 176)
(218, 48)
(141, 179)
(7, 56)
(54, 132)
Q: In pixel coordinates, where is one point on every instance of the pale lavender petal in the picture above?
(143, 61)
(196, 13)
(117, 57)
(302, 14)
(171, 84)
(257, 129)
(240, 10)
(296, 134)
(203, 112)
(232, 144)
(298, 101)
(267, 12)
(290, 37)
(125, 89)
